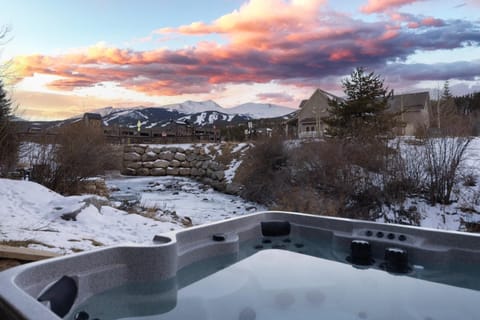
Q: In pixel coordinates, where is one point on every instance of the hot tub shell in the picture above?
(106, 268)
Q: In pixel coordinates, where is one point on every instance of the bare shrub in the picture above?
(264, 175)
(80, 152)
(341, 173)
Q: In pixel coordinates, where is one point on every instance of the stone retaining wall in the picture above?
(144, 160)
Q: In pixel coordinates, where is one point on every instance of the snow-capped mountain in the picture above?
(195, 106)
(154, 117)
(196, 113)
(260, 110)
(214, 118)
(253, 110)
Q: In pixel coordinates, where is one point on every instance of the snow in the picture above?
(195, 106)
(30, 211)
(186, 197)
(232, 169)
(260, 110)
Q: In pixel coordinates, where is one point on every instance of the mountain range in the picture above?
(198, 113)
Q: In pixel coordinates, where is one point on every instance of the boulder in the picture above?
(175, 163)
(148, 164)
(134, 148)
(172, 171)
(185, 164)
(149, 156)
(184, 171)
(158, 172)
(157, 150)
(219, 175)
(206, 164)
(180, 156)
(132, 156)
(129, 172)
(161, 164)
(133, 165)
(143, 172)
(166, 155)
(194, 172)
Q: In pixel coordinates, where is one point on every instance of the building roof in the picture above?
(92, 116)
(409, 101)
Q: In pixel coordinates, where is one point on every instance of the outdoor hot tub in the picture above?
(268, 265)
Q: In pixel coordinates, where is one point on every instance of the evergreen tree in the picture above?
(362, 114)
(8, 138)
(446, 94)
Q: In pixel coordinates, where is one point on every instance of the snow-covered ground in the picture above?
(466, 199)
(32, 213)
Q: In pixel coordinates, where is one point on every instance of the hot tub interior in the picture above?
(270, 265)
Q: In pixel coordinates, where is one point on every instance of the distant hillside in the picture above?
(260, 110)
(205, 113)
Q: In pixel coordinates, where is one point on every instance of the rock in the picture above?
(175, 163)
(132, 156)
(191, 157)
(180, 156)
(219, 175)
(201, 172)
(158, 172)
(185, 164)
(132, 165)
(143, 172)
(186, 221)
(213, 166)
(184, 171)
(129, 172)
(157, 150)
(172, 171)
(134, 148)
(233, 188)
(148, 164)
(194, 172)
(161, 164)
(206, 164)
(166, 155)
(149, 156)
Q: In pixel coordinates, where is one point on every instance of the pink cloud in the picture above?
(275, 97)
(296, 43)
(377, 6)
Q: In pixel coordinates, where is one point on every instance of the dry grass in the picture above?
(24, 243)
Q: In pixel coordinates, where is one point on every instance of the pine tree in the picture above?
(8, 138)
(363, 113)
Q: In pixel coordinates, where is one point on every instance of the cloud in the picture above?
(461, 70)
(276, 97)
(378, 6)
(297, 43)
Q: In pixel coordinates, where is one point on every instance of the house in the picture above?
(92, 120)
(413, 108)
(311, 112)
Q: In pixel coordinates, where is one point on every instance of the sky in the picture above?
(63, 58)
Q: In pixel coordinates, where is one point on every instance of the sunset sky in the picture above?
(68, 57)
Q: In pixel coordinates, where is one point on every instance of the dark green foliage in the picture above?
(8, 138)
(362, 114)
(468, 103)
